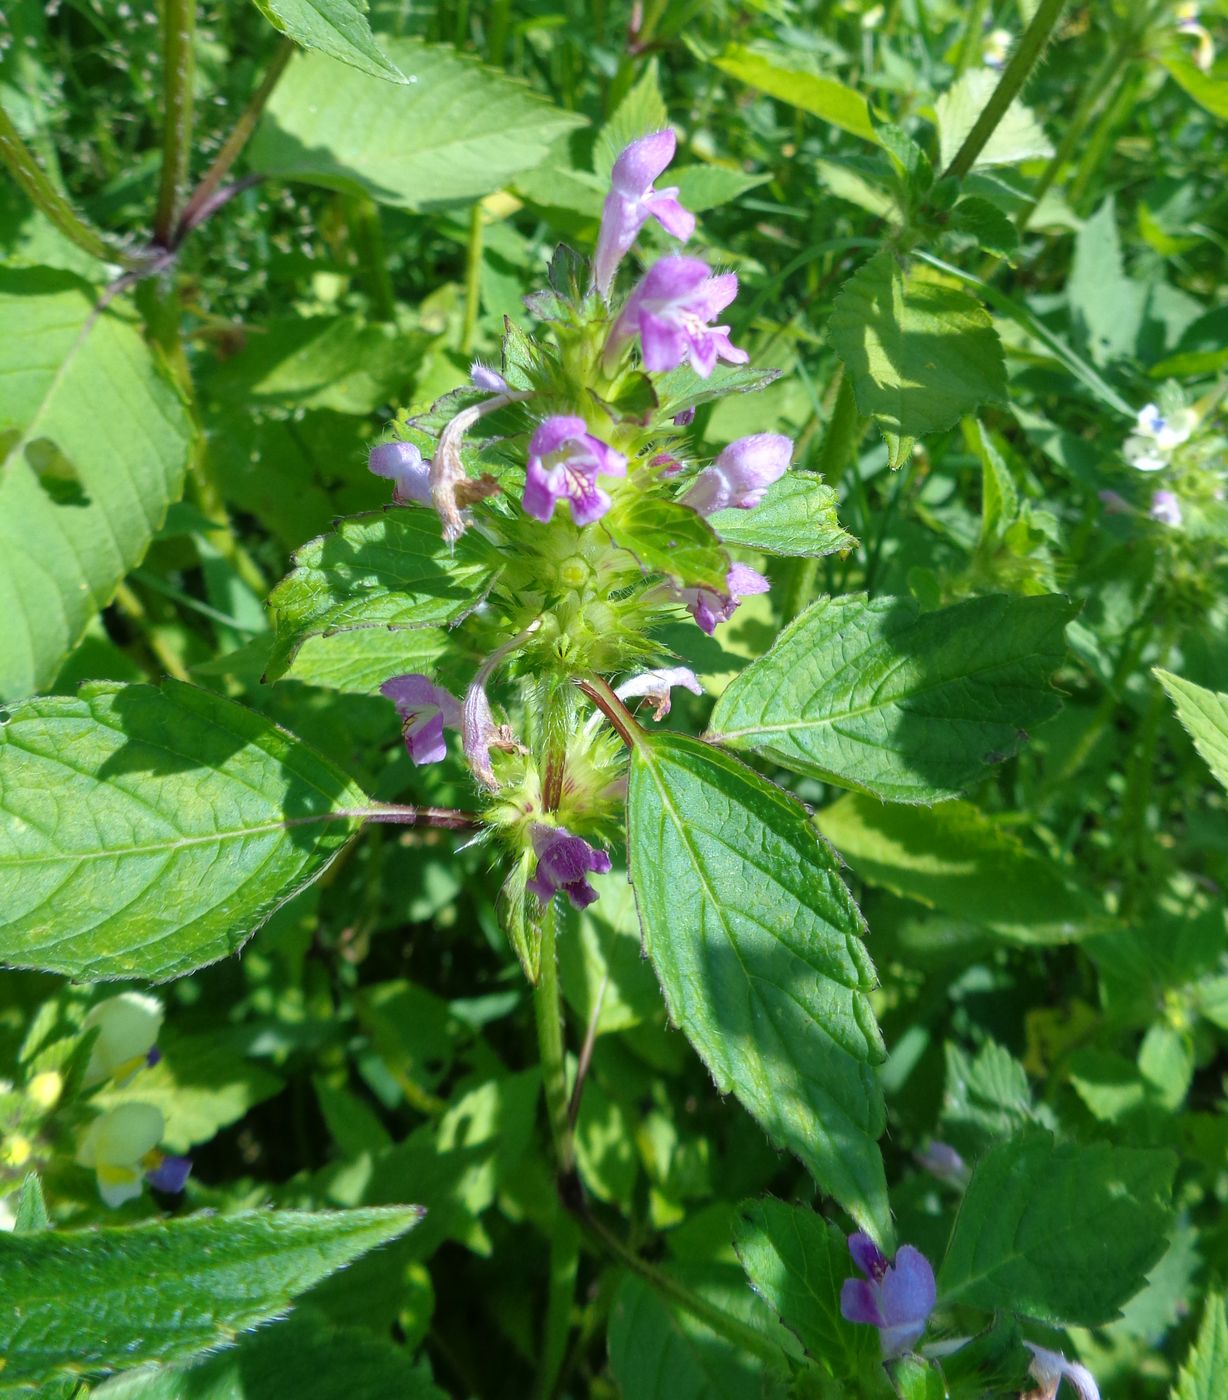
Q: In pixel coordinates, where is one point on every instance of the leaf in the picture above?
(95, 446)
(360, 661)
(390, 569)
(912, 707)
(704, 187)
(954, 858)
(796, 517)
(821, 97)
(335, 27)
(31, 1210)
(985, 222)
(1017, 137)
(119, 1296)
(1059, 1232)
(1205, 1373)
(1204, 714)
(641, 112)
(668, 538)
(683, 388)
(986, 1098)
(149, 832)
(797, 1263)
(921, 354)
(757, 946)
(303, 1358)
(454, 133)
(1209, 92)
(1106, 307)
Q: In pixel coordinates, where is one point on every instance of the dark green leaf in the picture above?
(985, 222)
(757, 945)
(796, 517)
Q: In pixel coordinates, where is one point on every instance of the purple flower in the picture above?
(402, 464)
(564, 464)
(670, 311)
(685, 418)
(632, 201)
(170, 1174)
(940, 1159)
(710, 608)
(483, 377)
(1166, 508)
(563, 863)
(425, 709)
(656, 686)
(896, 1298)
(741, 475)
(1050, 1368)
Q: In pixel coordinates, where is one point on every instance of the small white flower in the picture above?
(1050, 1369)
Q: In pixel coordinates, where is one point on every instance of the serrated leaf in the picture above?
(390, 569)
(359, 661)
(704, 187)
(454, 133)
(1060, 1232)
(757, 945)
(1018, 136)
(797, 1263)
(1205, 1373)
(985, 222)
(797, 517)
(822, 97)
(119, 1296)
(909, 706)
(1204, 715)
(149, 832)
(986, 1097)
(94, 442)
(682, 388)
(1106, 306)
(669, 538)
(954, 858)
(335, 27)
(921, 354)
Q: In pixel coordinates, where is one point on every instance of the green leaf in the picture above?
(986, 1098)
(1205, 1373)
(641, 112)
(917, 1379)
(921, 354)
(390, 569)
(985, 222)
(797, 1262)
(149, 832)
(335, 27)
(94, 445)
(31, 1211)
(1209, 92)
(454, 133)
(796, 517)
(1106, 307)
(1060, 1232)
(1204, 713)
(668, 538)
(360, 661)
(703, 187)
(683, 388)
(954, 858)
(119, 1296)
(821, 97)
(1018, 136)
(910, 706)
(757, 946)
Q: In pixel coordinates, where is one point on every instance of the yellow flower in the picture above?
(120, 1146)
(127, 1026)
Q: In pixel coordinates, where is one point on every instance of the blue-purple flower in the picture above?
(565, 461)
(710, 608)
(564, 862)
(402, 464)
(670, 311)
(1166, 508)
(425, 708)
(741, 474)
(121, 1146)
(169, 1173)
(896, 1298)
(632, 201)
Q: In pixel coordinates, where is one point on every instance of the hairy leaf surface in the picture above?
(796, 517)
(1204, 713)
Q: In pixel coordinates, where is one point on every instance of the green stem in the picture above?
(178, 73)
(548, 1008)
(560, 1300)
(1115, 112)
(970, 48)
(44, 196)
(367, 235)
(234, 143)
(473, 280)
(496, 33)
(1024, 59)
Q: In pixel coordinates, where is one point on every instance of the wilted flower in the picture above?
(128, 1026)
(896, 1298)
(632, 201)
(1166, 508)
(564, 464)
(121, 1147)
(1050, 1369)
(564, 862)
(656, 686)
(402, 464)
(710, 608)
(1156, 437)
(741, 474)
(670, 311)
(425, 708)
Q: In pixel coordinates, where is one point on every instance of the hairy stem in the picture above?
(612, 707)
(1024, 59)
(548, 1009)
(178, 74)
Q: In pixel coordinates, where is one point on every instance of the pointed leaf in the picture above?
(822, 97)
(796, 517)
(909, 706)
(1018, 136)
(335, 27)
(148, 832)
(757, 946)
(1205, 1373)
(1204, 713)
